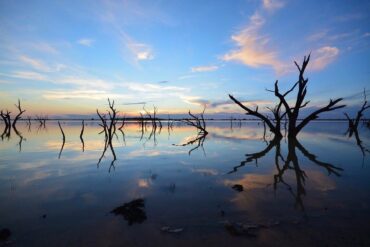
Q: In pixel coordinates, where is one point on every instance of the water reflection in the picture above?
(351, 131)
(289, 162)
(192, 192)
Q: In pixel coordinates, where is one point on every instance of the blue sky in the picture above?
(68, 57)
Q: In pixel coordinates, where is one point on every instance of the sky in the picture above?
(68, 57)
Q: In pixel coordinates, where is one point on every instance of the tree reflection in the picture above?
(289, 162)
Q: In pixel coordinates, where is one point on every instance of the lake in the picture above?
(235, 189)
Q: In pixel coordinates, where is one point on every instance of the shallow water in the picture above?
(54, 197)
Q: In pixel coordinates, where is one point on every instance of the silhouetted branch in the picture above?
(6, 117)
(7, 129)
(18, 116)
(197, 122)
(314, 115)
(109, 131)
(81, 134)
(200, 124)
(291, 113)
(255, 113)
(353, 123)
(64, 140)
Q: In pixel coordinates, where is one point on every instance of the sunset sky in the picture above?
(68, 57)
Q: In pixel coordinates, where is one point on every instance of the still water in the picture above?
(236, 189)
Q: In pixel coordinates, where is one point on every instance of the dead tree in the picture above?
(18, 116)
(291, 112)
(169, 125)
(6, 118)
(28, 120)
(153, 118)
(42, 120)
(64, 140)
(353, 123)
(200, 124)
(197, 122)
(353, 127)
(156, 124)
(7, 130)
(81, 134)
(109, 129)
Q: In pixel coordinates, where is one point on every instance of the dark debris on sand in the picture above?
(132, 211)
(5, 234)
(238, 187)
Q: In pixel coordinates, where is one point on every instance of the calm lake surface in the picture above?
(54, 198)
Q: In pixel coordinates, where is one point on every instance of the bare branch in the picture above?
(256, 114)
(314, 115)
(19, 113)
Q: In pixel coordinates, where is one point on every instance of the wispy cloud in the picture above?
(44, 47)
(135, 103)
(28, 75)
(85, 42)
(323, 56)
(83, 94)
(249, 103)
(253, 49)
(40, 65)
(139, 51)
(183, 77)
(272, 4)
(349, 17)
(35, 63)
(317, 36)
(86, 82)
(77, 81)
(195, 100)
(154, 88)
(204, 68)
